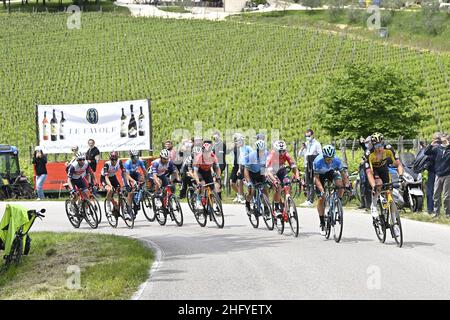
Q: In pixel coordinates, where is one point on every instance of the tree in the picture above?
(366, 99)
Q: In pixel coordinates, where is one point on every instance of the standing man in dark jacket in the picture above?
(92, 155)
(441, 155)
(432, 177)
(40, 166)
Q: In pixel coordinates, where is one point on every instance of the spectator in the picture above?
(40, 166)
(220, 150)
(366, 192)
(432, 177)
(440, 150)
(74, 152)
(92, 155)
(310, 151)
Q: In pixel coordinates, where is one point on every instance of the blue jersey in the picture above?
(244, 151)
(131, 167)
(321, 167)
(255, 165)
(161, 169)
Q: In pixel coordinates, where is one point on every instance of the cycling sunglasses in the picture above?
(378, 146)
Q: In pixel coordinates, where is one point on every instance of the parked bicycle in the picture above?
(78, 207)
(21, 242)
(260, 207)
(117, 207)
(287, 207)
(209, 206)
(334, 216)
(389, 217)
(167, 203)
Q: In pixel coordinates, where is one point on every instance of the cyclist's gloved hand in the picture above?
(401, 179)
(72, 192)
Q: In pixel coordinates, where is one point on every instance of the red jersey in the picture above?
(275, 160)
(203, 163)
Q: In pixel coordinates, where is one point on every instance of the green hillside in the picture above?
(226, 74)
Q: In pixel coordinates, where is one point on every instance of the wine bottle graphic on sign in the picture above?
(123, 125)
(54, 127)
(132, 125)
(141, 124)
(62, 122)
(45, 126)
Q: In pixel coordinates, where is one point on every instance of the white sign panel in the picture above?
(118, 126)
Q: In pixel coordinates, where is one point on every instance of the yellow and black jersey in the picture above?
(374, 160)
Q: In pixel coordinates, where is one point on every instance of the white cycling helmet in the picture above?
(260, 145)
(134, 153)
(239, 137)
(80, 156)
(164, 154)
(329, 151)
(279, 145)
(197, 150)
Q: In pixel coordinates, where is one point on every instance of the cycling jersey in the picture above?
(275, 161)
(244, 151)
(376, 160)
(255, 163)
(76, 171)
(160, 169)
(110, 170)
(205, 164)
(321, 167)
(131, 167)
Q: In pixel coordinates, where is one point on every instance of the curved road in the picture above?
(239, 262)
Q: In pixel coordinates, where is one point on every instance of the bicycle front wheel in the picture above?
(89, 214)
(110, 213)
(175, 210)
(16, 252)
(380, 225)
(158, 209)
(215, 207)
(191, 197)
(71, 212)
(266, 212)
(293, 217)
(396, 225)
(127, 213)
(253, 216)
(98, 209)
(146, 204)
(278, 222)
(338, 223)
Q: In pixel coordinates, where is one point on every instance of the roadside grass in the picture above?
(405, 27)
(175, 9)
(56, 6)
(112, 267)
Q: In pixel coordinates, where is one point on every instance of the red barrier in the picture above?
(57, 175)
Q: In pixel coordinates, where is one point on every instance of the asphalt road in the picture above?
(240, 262)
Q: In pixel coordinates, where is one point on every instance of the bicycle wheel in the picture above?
(175, 210)
(380, 225)
(253, 216)
(338, 223)
(16, 252)
(98, 209)
(126, 212)
(266, 212)
(278, 222)
(160, 215)
(146, 204)
(89, 214)
(111, 216)
(293, 217)
(72, 214)
(216, 211)
(191, 197)
(328, 224)
(396, 225)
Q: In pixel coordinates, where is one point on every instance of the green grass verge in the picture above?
(176, 9)
(112, 267)
(56, 6)
(425, 217)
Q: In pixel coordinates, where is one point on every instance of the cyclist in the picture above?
(327, 166)
(311, 149)
(187, 171)
(377, 164)
(74, 158)
(131, 176)
(76, 176)
(108, 177)
(255, 170)
(276, 171)
(204, 164)
(161, 169)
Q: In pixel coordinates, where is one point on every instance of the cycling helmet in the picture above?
(75, 149)
(134, 153)
(207, 147)
(260, 136)
(329, 151)
(80, 156)
(377, 138)
(164, 154)
(196, 150)
(279, 145)
(238, 137)
(113, 155)
(260, 145)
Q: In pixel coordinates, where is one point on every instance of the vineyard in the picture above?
(226, 74)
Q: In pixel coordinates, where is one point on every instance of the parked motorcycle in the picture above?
(398, 196)
(411, 188)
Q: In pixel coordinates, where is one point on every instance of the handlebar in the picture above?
(37, 213)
